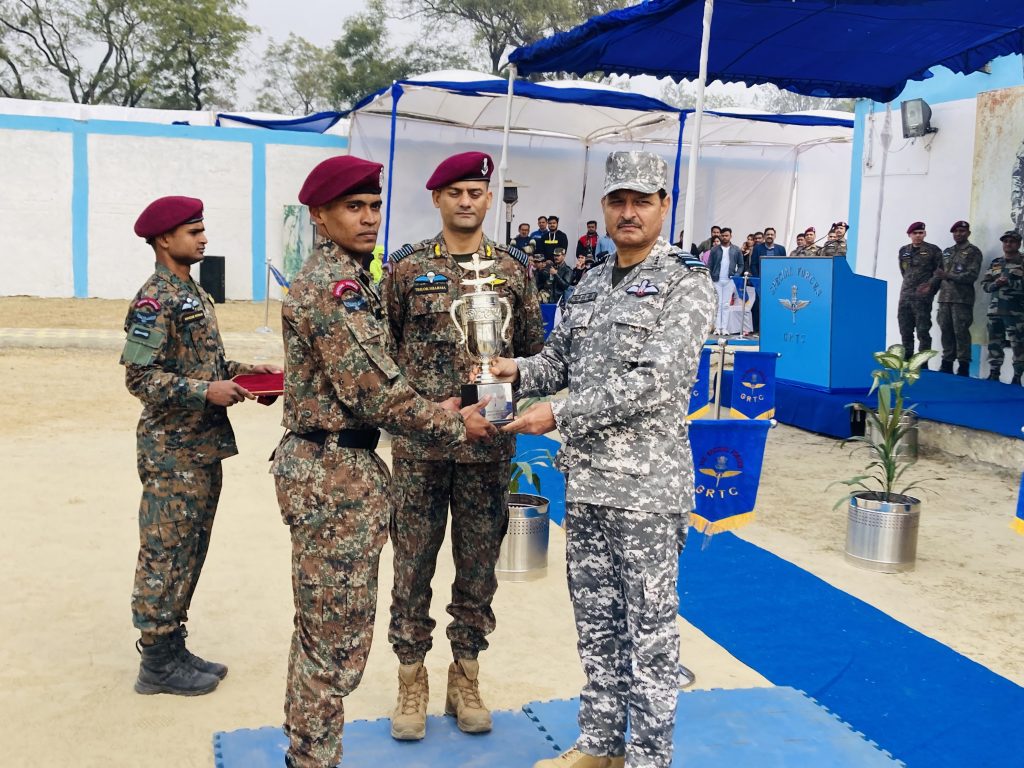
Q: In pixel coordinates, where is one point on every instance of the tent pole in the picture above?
(675, 177)
(886, 140)
(691, 171)
(503, 164)
(396, 94)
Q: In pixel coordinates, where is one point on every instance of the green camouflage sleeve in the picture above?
(677, 338)
(368, 382)
(528, 335)
(971, 271)
(394, 307)
(148, 358)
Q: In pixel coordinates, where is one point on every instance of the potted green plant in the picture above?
(524, 550)
(882, 519)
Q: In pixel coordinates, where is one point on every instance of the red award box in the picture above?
(261, 383)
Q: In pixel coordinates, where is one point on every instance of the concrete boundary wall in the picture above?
(70, 191)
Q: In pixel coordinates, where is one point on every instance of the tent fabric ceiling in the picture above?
(838, 48)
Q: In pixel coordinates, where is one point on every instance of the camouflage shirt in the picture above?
(1007, 299)
(834, 248)
(424, 281)
(917, 265)
(963, 263)
(629, 356)
(172, 352)
(339, 373)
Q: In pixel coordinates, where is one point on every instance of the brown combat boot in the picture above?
(409, 720)
(576, 759)
(463, 699)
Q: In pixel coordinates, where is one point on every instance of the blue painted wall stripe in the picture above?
(259, 221)
(863, 107)
(80, 211)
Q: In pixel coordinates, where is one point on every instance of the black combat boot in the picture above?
(993, 375)
(963, 369)
(1015, 379)
(946, 366)
(161, 671)
(185, 655)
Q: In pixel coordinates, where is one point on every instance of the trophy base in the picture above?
(501, 409)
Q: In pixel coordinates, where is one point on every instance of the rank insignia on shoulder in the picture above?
(431, 282)
(518, 255)
(644, 288)
(580, 298)
(402, 252)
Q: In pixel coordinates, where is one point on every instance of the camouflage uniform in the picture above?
(1017, 191)
(340, 382)
(834, 249)
(430, 476)
(956, 301)
(1005, 313)
(917, 265)
(172, 353)
(629, 355)
(810, 251)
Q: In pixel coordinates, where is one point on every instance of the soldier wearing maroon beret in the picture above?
(430, 477)
(918, 261)
(341, 387)
(175, 364)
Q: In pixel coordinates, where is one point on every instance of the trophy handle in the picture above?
(454, 312)
(508, 315)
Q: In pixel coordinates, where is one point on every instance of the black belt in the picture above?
(346, 438)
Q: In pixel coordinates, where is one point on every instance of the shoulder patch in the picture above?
(514, 252)
(691, 262)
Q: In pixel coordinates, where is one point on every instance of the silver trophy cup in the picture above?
(482, 318)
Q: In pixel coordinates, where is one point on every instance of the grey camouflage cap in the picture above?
(642, 172)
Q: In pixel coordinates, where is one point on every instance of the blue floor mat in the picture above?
(515, 742)
(922, 701)
(757, 727)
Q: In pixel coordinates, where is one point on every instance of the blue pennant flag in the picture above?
(700, 397)
(1018, 521)
(279, 278)
(753, 385)
(727, 458)
(752, 282)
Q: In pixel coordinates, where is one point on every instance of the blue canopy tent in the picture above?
(839, 48)
(482, 102)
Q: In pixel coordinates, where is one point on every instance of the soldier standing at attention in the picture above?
(627, 348)
(341, 385)
(174, 363)
(918, 262)
(1004, 280)
(955, 277)
(430, 476)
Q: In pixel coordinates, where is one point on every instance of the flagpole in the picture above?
(265, 328)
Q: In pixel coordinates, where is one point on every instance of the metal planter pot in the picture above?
(907, 447)
(881, 534)
(524, 550)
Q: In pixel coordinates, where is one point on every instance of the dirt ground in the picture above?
(67, 660)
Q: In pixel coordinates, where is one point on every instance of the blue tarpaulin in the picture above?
(318, 123)
(838, 48)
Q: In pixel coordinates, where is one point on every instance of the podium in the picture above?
(824, 320)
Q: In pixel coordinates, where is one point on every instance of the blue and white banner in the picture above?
(753, 385)
(727, 459)
(1018, 521)
(700, 397)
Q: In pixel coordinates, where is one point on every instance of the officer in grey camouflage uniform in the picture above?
(341, 385)
(1004, 280)
(918, 261)
(627, 348)
(954, 279)
(429, 476)
(174, 363)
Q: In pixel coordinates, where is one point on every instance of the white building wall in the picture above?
(35, 213)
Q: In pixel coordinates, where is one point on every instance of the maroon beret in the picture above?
(341, 175)
(960, 225)
(465, 166)
(916, 225)
(166, 213)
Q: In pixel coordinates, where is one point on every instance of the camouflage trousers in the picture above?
(1003, 328)
(336, 505)
(955, 324)
(423, 491)
(914, 314)
(623, 566)
(175, 521)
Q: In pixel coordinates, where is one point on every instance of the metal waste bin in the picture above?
(524, 551)
(907, 448)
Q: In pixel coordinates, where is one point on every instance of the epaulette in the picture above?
(402, 252)
(515, 253)
(690, 261)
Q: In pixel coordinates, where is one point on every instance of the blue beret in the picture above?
(342, 175)
(465, 166)
(167, 213)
